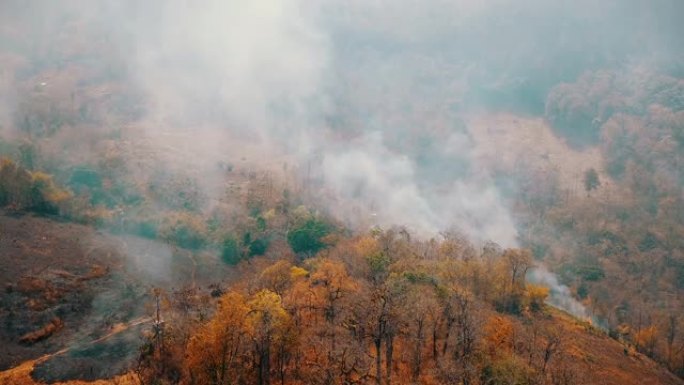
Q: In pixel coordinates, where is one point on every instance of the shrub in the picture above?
(511, 303)
(510, 370)
(536, 295)
(46, 196)
(24, 190)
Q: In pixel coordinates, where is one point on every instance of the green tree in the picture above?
(307, 238)
(230, 251)
(258, 247)
(591, 180)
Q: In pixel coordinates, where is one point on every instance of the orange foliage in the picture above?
(498, 336)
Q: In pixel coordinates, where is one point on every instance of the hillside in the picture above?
(99, 287)
(342, 192)
(69, 287)
(602, 361)
(63, 270)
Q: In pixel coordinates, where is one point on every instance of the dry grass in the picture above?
(21, 375)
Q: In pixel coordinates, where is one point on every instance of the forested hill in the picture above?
(374, 308)
(342, 192)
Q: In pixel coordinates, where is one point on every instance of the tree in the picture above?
(671, 331)
(646, 339)
(513, 267)
(517, 261)
(420, 308)
(591, 180)
(307, 238)
(280, 276)
(268, 325)
(230, 251)
(217, 353)
(550, 346)
(258, 247)
(332, 287)
(466, 334)
(498, 336)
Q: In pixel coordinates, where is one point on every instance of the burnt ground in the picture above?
(91, 361)
(64, 285)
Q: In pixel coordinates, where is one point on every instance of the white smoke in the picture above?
(355, 81)
(270, 72)
(559, 294)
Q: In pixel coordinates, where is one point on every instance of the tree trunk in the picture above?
(264, 364)
(378, 360)
(446, 337)
(417, 353)
(434, 341)
(389, 352)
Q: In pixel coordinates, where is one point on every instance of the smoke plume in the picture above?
(368, 97)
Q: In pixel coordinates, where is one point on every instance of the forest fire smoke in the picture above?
(559, 294)
(561, 297)
(237, 154)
